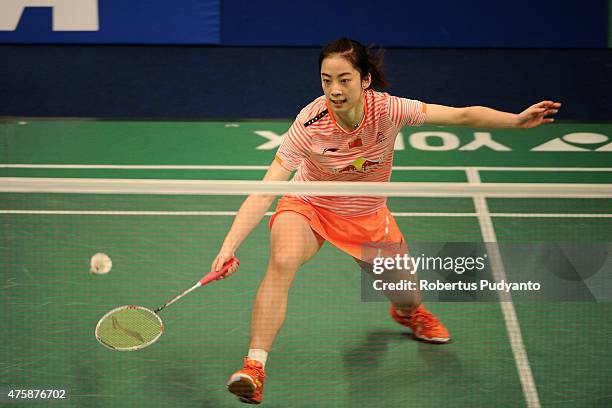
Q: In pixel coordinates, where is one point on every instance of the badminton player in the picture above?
(346, 135)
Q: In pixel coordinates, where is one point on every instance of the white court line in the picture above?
(549, 215)
(269, 213)
(131, 167)
(111, 212)
(504, 215)
(505, 168)
(507, 306)
(253, 167)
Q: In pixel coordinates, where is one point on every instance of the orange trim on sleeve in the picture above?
(424, 107)
(282, 163)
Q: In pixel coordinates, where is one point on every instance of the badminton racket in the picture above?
(129, 328)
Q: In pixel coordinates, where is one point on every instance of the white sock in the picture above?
(258, 355)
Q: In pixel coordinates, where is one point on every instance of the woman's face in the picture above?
(342, 83)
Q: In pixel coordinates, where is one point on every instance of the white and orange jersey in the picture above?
(321, 150)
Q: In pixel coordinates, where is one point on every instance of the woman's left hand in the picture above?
(535, 115)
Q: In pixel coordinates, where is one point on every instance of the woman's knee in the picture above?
(285, 260)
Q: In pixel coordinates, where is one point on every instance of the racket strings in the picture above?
(129, 328)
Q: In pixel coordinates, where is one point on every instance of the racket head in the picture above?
(129, 328)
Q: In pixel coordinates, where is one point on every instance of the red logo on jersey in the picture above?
(361, 165)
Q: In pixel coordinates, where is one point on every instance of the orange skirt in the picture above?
(353, 235)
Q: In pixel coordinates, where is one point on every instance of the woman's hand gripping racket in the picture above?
(129, 328)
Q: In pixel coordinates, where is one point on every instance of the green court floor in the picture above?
(334, 350)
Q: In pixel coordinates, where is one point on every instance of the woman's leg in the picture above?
(292, 243)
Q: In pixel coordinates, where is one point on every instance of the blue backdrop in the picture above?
(501, 54)
(443, 23)
(405, 23)
(276, 82)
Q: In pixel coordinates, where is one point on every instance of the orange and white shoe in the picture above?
(424, 325)
(247, 384)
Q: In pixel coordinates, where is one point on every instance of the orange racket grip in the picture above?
(214, 275)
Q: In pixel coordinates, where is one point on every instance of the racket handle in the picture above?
(214, 275)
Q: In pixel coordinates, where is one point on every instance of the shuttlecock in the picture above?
(100, 264)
